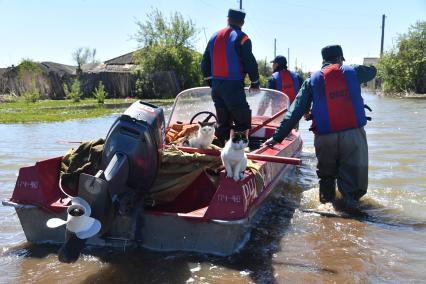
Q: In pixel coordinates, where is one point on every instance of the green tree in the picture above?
(100, 93)
(28, 66)
(31, 96)
(74, 93)
(167, 45)
(264, 67)
(403, 68)
(265, 71)
(157, 30)
(303, 75)
(29, 70)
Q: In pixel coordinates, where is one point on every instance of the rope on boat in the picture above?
(63, 191)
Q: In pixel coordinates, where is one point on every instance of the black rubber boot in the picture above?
(242, 119)
(327, 190)
(224, 123)
(70, 250)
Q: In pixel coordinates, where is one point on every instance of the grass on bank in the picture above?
(61, 110)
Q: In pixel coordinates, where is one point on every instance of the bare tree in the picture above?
(84, 55)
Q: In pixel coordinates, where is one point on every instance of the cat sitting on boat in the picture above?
(204, 137)
(233, 157)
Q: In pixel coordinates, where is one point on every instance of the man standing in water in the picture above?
(226, 60)
(283, 80)
(338, 123)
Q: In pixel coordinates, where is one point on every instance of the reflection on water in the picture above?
(383, 240)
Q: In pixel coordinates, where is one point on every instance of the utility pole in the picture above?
(275, 48)
(383, 34)
(288, 57)
(266, 60)
(241, 4)
(204, 29)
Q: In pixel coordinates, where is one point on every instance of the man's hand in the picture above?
(270, 142)
(308, 116)
(253, 90)
(208, 81)
(254, 87)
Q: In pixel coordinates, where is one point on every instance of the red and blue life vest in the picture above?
(337, 101)
(287, 82)
(225, 62)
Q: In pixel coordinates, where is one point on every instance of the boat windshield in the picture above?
(263, 104)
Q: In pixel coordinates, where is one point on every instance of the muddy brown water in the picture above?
(385, 242)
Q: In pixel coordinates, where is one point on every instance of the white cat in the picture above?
(233, 156)
(205, 136)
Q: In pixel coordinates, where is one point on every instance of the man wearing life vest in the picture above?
(338, 123)
(226, 60)
(283, 80)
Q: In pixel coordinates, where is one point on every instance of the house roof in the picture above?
(122, 59)
(371, 60)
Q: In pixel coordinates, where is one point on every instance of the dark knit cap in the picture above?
(236, 14)
(332, 52)
(280, 60)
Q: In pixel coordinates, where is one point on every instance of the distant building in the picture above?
(122, 63)
(125, 62)
(121, 71)
(375, 83)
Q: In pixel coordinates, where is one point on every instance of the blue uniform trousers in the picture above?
(231, 107)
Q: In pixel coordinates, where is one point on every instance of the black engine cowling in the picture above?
(130, 162)
(138, 137)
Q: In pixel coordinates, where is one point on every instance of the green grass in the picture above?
(61, 110)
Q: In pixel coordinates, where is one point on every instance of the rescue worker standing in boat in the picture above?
(338, 123)
(226, 60)
(282, 80)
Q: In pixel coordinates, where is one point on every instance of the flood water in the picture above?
(384, 243)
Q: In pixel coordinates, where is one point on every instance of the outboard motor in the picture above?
(130, 163)
(133, 148)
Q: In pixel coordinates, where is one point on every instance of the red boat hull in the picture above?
(204, 218)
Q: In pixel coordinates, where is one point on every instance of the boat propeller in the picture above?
(79, 227)
(78, 219)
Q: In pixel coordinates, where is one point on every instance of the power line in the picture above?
(330, 11)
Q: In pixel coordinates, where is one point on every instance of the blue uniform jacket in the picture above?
(243, 50)
(302, 103)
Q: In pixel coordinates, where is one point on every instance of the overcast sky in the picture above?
(50, 30)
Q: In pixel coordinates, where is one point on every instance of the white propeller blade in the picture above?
(93, 230)
(55, 222)
(79, 223)
(78, 219)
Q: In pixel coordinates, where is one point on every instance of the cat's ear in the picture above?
(200, 123)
